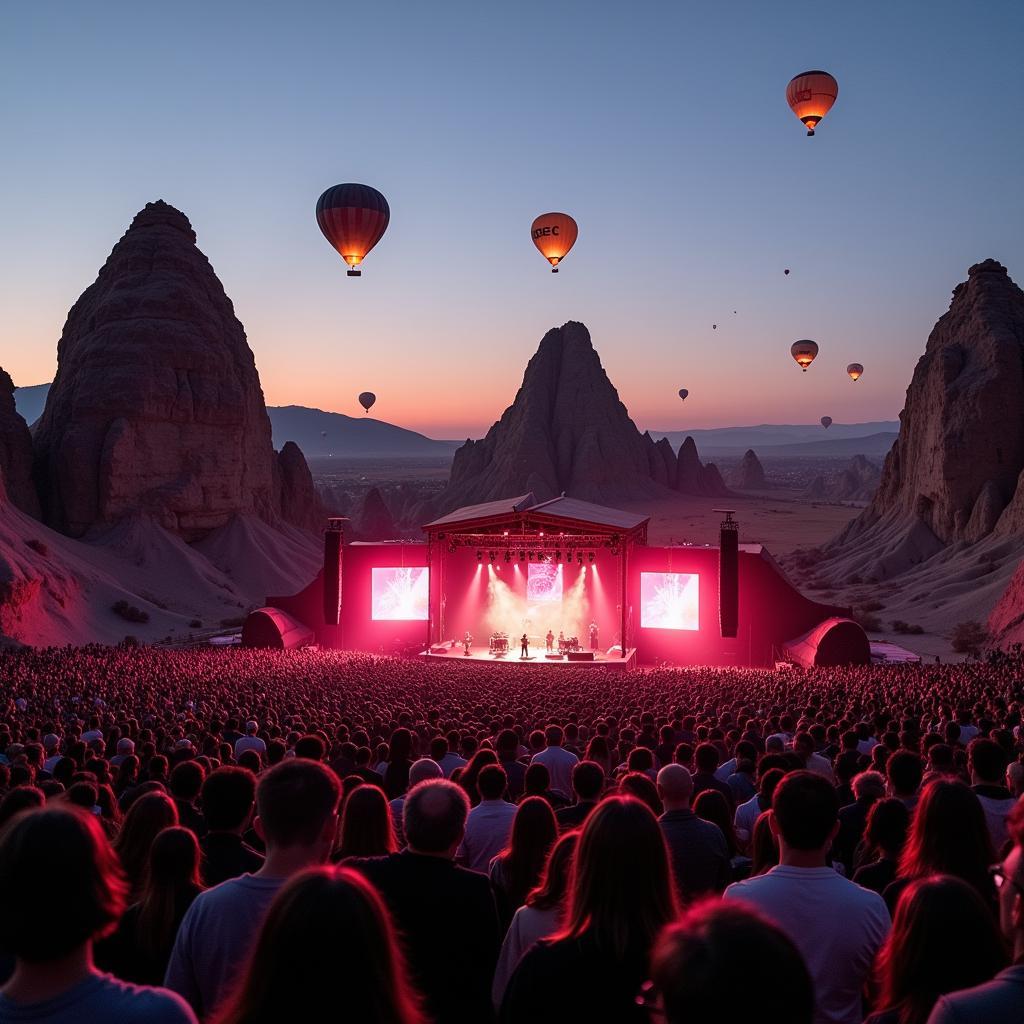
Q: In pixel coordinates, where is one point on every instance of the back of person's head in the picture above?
(640, 760)
(712, 806)
(675, 786)
(228, 797)
(296, 803)
(62, 883)
(905, 771)
(537, 779)
(587, 780)
(507, 744)
(311, 747)
(23, 798)
(173, 859)
(491, 782)
(622, 889)
(554, 736)
(551, 891)
(805, 810)
(919, 962)
(147, 816)
(987, 760)
(327, 940)
(869, 785)
(706, 757)
(640, 786)
(366, 826)
(438, 748)
(768, 781)
(434, 816)
(887, 825)
(186, 780)
(724, 962)
(764, 848)
(424, 768)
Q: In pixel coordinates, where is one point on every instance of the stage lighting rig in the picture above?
(493, 555)
(479, 556)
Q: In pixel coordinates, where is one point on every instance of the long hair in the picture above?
(711, 806)
(919, 962)
(534, 831)
(327, 940)
(622, 892)
(949, 836)
(764, 850)
(471, 772)
(366, 826)
(640, 786)
(554, 884)
(172, 883)
(149, 815)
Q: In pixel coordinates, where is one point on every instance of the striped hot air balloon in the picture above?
(804, 352)
(811, 95)
(554, 234)
(855, 371)
(353, 218)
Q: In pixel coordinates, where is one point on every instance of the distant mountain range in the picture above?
(319, 434)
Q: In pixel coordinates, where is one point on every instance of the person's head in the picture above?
(706, 757)
(62, 883)
(551, 892)
(1010, 879)
(297, 806)
(869, 786)
(905, 771)
(147, 816)
(327, 937)
(171, 883)
(554, 736)
(311, 747)
(948, 835)
(886, 829)
(640, 786)
(23, 798)
(712, 806)
(622, 889)
(534, 831)
(422, 769)
(986, 761)
(587, 781)
(675, 787)
(537, 779)
(252, 727)
(491, 782)
(434, 817)
(805, 814)
(228, 795)
(366, 826)
(726, 963)
(919, 963)
(186, 780)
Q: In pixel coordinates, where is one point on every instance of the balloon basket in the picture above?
(554, 270)
(354, 273)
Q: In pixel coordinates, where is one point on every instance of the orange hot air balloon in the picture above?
(804, 352)
(811, 95)
(855, 371)
(353, 218)
(554, 234)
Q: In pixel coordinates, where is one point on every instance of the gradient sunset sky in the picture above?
(661, 127)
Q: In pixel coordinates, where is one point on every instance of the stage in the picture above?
(610, 662)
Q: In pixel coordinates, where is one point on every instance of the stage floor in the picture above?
(610, 662)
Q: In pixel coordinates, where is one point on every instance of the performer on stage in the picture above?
(550, 638)
(467, 642)
(593, 636)
(524, 643)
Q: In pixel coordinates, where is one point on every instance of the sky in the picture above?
(661, 127)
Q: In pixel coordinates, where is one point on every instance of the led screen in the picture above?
(669, 600)
(544, 582)
(400, 594)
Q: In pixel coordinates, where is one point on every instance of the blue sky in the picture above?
(661, 127)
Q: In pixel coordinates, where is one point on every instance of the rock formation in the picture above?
(156, 407)
(693, 477)
(749, 474)
(15, 452)
(297, 498)
(567, 431)
(375, 521)
(857, 481)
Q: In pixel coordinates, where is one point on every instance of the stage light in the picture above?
(590, 555)
(479, 556)
(579, 557)
(508, 556)
(493, 555)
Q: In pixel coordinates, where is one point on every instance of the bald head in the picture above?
(424, 769)
(675, 787)
(434, 817)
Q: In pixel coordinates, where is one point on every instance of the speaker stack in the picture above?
(333, 536)
(728, 574)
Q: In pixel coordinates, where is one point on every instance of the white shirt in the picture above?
(559, 763)
(244, 743)
(746, 817)
(528, 925)
(723, 771)
(487, 830)
(450, 762)
(820, 766)
(837, 926)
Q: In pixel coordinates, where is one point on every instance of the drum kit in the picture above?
(568, 645)
(498, 644)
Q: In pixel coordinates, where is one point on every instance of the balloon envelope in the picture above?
(826, 421)
(683, 393)
(804, 352)
(554, 234)
(811, 95)
(353, 218)
(366, 400)
(855, 370)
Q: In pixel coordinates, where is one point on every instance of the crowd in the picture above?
(243, 837)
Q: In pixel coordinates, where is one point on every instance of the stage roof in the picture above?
(570, 509)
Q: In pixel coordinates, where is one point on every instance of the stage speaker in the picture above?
(332, 572)
(728, 575)
(580, 656)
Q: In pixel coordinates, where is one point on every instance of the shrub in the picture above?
(868, 622)
(899, 626)
(129, 612)
(969, 637)
(872, 606)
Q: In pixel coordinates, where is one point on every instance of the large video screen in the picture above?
(544, 582)
(669, 600)
(400, 594)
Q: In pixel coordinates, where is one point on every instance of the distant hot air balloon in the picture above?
(786, 271)
(366, 400)
(353, 218)
(855, 371)
(811, 95)
(683, 393)
(826, 421)
(804, 352)
(323, 433)
(554, 234)
(714, 327)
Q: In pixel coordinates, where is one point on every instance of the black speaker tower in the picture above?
(333, 537)
(728, 574)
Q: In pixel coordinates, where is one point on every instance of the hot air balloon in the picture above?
(323, 433)
(353, 218)
(786, 271)
(683, 393)
(804, 352)
(826, 421)
(714, 327)
(855, 371)
(554, 234)
(366, 400)
(811, 95)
